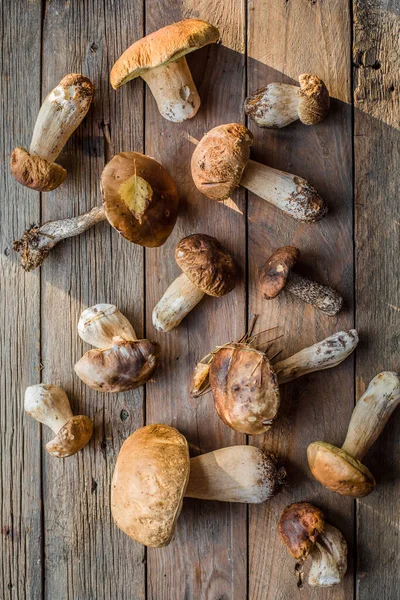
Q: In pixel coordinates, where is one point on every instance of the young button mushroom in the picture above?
(60, 114)
(276, 274)
(159, 58)
(154, 473)
(49, 404)
(121, 362)
(221, 162)
(340, 469)
(207, 267)
(140, 202)
(279, 104)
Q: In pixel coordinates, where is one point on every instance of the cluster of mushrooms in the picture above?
(154, 471)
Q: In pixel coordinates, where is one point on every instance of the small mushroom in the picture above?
(207, 267)
(60, 114)
(140, 202)
(159, 58)
(221, 162)
(154, 473)
(121, 362)
(340, 469)
(277, 274)
(49, 404)
(279, 104)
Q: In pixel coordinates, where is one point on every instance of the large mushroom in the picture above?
(120, 361)
(221, 162)
(341, 469)
(208, 268)
(60, 114)
(49, 404)
(154, 473)
(279, 104)
(159, 58)
(139, 200)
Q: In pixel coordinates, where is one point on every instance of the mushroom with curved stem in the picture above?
(49, 404)
(154, 473)
(208, 268)
(60, 114)
(220, 162)
(277, 274)
(279, 104)
(140, 201)
(159, 58)
(341, 469)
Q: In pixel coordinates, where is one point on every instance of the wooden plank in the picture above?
(208, 556)
(86, 555)
(20, 440)
(376, 59)
(286, 39)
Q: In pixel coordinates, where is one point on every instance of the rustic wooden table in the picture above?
(58, 540)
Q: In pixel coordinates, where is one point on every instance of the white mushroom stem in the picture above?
(292, 194)
(371, 413)
(321, 296)
(48, 404)
(179, 299)
(174, 90)
(329, 558)
(277, 105)
(103, 324)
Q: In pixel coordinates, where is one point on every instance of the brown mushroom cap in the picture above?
(314, 103)
(339, 471)
(207, 264)
(124, 366)
(274, 274)
(299, 526)
(35, 172)
(161, 47)
(72, 437)
(149, 484)
(219, 160)
(140, 198)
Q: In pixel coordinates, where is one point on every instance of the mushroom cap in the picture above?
(299, 526)
(149, 483)
(245, 389)
(275, 272)
(140, 198)
(219, 160)
(125, 365)
(207, 264)
(35, 172)
(314, 99)
(72, 437)
(162, 47)
(340, 472)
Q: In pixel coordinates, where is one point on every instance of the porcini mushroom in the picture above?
(121, 362)
(304, 531)
(245, 385)
(60, 114)
(159, 58)
(277, 274)
(140, 201)
(154, 473)
(220, 162)
(279, 104)
(340, 469)
(207, 267)
(49, 404)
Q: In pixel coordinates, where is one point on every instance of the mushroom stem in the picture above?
(371, 413)
(37, 241)
(292, 194)
(102, 325)
(174, 90)
(275, 106)
(48, 404)
(329, 558)
(179, 299)
(316, 294)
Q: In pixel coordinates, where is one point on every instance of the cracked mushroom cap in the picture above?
(140, 198)
(340, 472)
(149, 483)
(314, 99)
(219, 160)
(274, 274)
(162, 47)
(207, 264)
(35, 172)
(72, 437)
(299, 527)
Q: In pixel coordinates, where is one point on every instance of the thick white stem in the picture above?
(329, 558)
(103, 324)
(48, 404)
(274, 106)
(179, 299)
